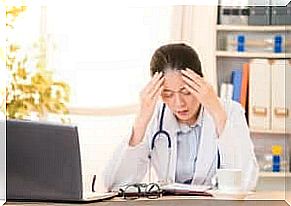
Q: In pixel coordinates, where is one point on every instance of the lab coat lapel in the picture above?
(207, 150)
(171, 125)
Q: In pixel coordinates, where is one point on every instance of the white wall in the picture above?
(99, 137)
(199, 29)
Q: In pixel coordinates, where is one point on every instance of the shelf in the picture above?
(253, 28)
(275, 174)
(268, 131)
(253, 55)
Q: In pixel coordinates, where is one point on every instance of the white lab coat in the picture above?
(129, 164)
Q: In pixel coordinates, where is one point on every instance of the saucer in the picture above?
(238, 195)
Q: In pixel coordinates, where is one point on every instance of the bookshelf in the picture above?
(273, 132)
(241, 28)
(253, 55)
(228, 60)
(275, 174)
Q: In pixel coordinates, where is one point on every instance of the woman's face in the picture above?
(181, 102)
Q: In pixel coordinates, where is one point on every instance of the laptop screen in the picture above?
(43, 161)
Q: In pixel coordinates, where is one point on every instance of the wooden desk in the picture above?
(274, 198)
(167, 202)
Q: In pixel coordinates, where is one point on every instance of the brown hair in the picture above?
(175, 57)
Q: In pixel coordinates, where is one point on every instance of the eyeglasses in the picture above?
(135, 191)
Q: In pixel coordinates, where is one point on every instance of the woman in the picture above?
(205, 132)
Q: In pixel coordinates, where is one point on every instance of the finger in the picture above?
(158, 93)
(153, 81)
(156, 87)
(190, 71)
(191, 83)
(194, 80)
(192, 75)
(192, 90)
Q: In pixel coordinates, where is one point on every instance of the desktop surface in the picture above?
(168, 202)
(262, 198)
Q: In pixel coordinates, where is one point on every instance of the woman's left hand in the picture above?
(206, 95)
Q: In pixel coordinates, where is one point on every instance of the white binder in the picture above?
(281, 73)
(259, 94)
(226, 91)
(288, 96)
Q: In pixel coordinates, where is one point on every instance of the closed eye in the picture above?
(185, 91)
(167, 94)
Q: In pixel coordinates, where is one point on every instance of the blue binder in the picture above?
(236, 79)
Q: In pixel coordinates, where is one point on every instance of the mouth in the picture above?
(182, 112)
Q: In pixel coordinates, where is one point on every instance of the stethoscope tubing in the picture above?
(161, 131)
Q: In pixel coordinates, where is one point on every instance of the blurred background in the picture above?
(85, 64)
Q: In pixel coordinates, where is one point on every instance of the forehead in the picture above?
(173, 80)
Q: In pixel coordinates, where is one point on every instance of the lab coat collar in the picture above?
(171, 125)
(207, 149)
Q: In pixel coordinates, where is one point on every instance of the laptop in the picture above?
(44, 163)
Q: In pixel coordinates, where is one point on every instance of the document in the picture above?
(186, 190)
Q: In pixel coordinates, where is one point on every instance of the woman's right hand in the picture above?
(148, 99)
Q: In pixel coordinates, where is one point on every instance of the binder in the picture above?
(225, 15)
(259, 94)
(281, 15)
(233, 15)
(288, 96)
(226, 91)
(236, 77)
(259, 15)
(244, 85)
(280, 108)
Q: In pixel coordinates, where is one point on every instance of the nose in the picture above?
(179, 100)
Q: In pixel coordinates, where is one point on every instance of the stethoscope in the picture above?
(159, 133)
(164, 133)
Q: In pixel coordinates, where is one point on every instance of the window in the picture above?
(104, 51)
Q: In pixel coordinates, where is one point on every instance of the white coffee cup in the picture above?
(229, 180)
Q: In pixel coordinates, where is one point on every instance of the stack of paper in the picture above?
(185, 189)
